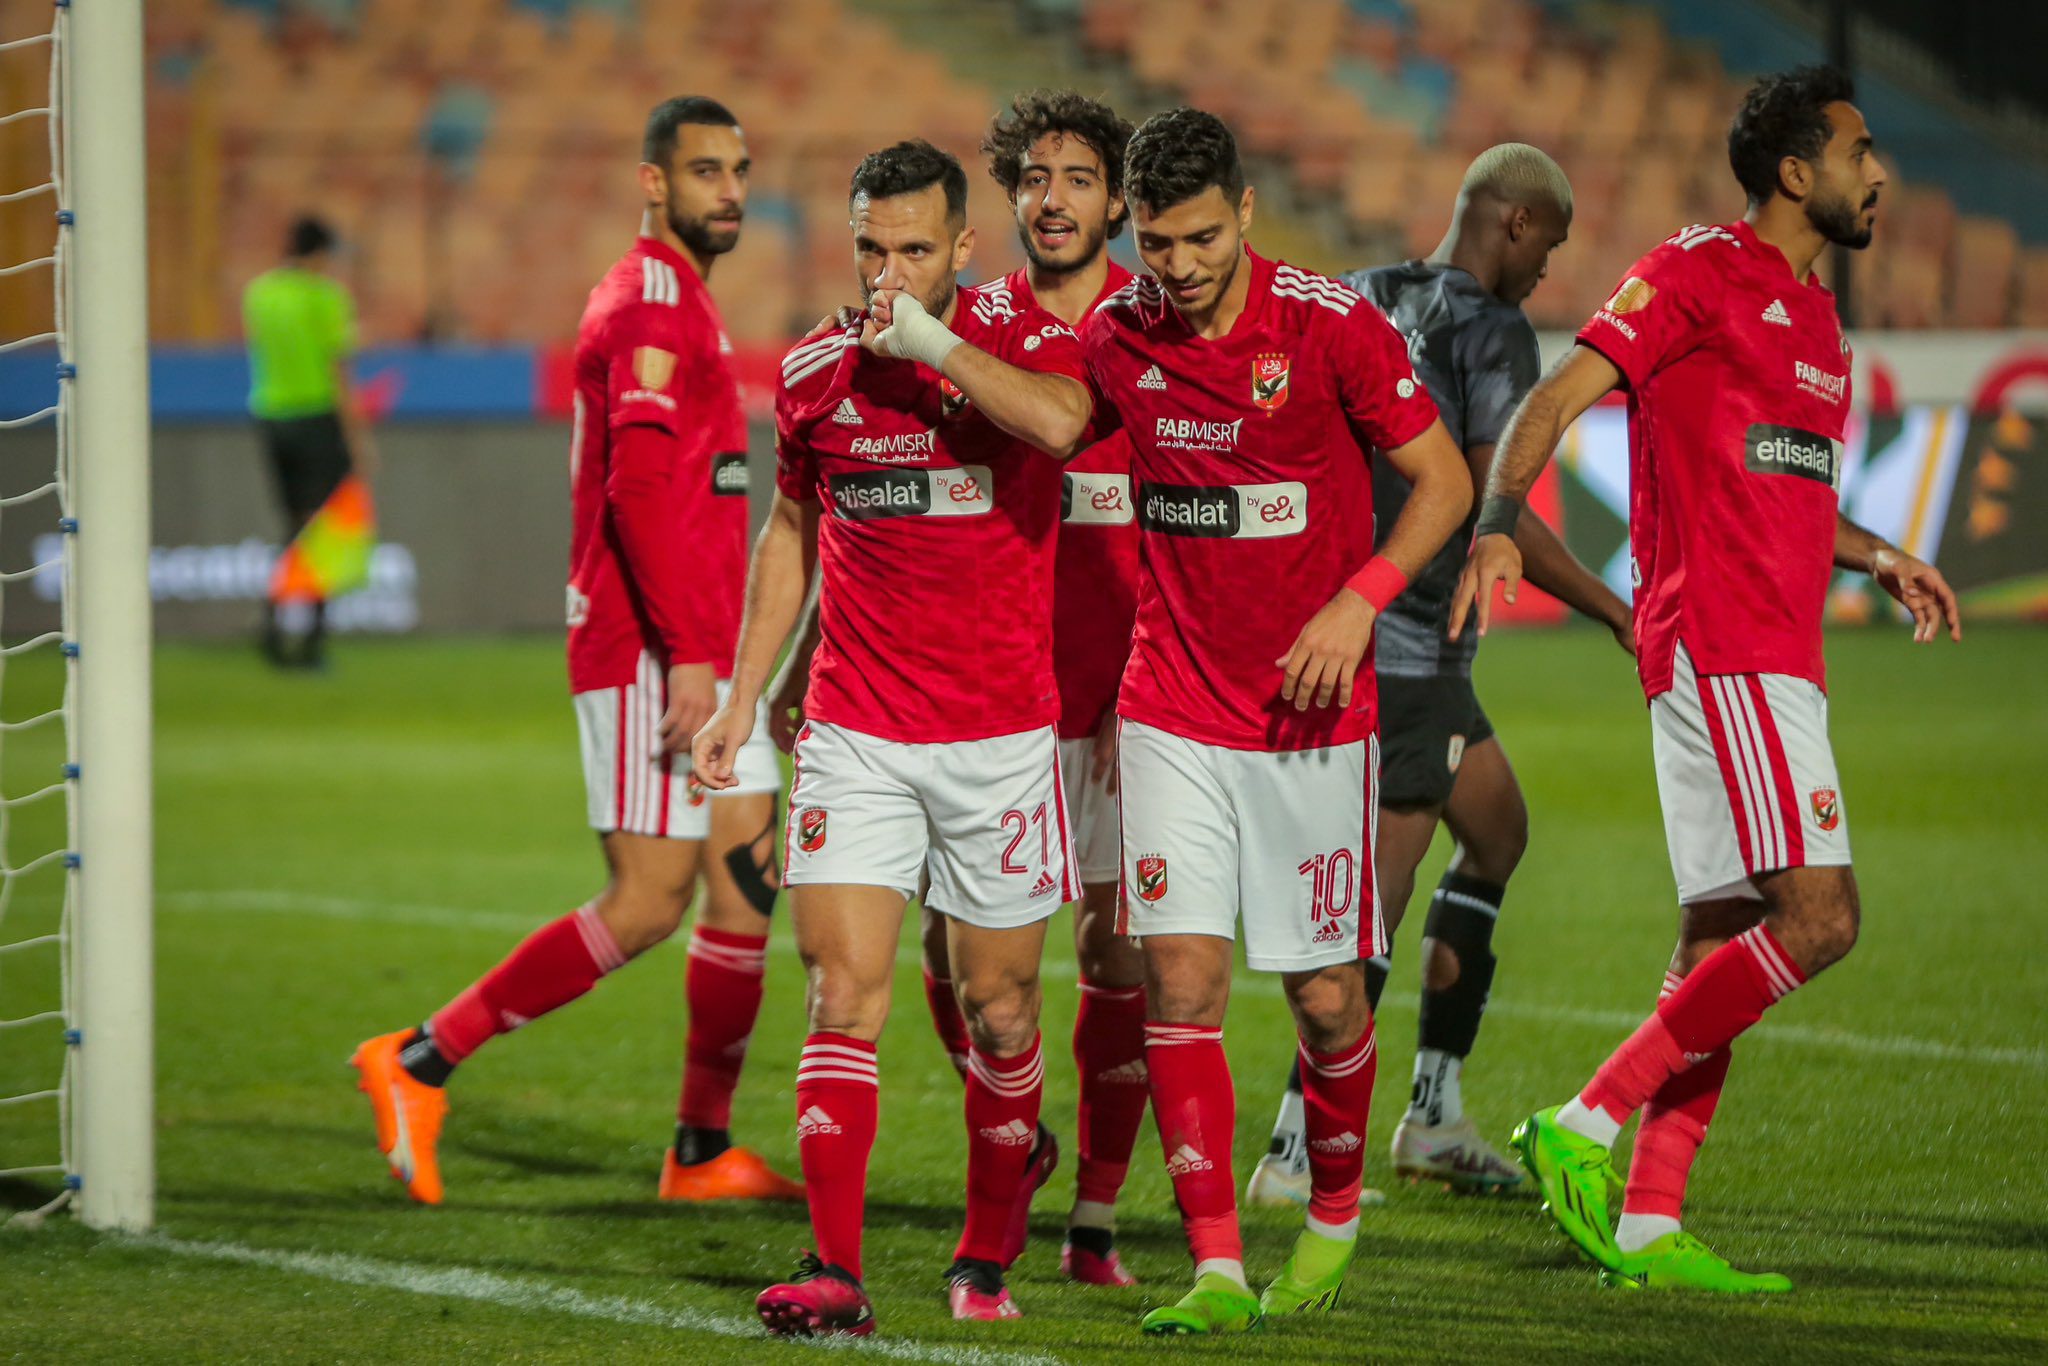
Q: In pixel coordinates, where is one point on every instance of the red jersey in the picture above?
(1738, 394)
(1252, 456)
(658, 474)
(1095, 570)
(936, 543)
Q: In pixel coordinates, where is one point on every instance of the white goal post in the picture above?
(113, 1109)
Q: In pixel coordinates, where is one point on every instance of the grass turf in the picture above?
(338, 854)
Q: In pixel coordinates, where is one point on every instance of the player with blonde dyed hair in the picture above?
(1460, 310)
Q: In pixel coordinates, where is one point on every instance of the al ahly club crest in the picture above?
(1151, 878)
(810, 830)
(1827, 808)
(1269, 381)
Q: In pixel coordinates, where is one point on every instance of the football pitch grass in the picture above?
(338, 854)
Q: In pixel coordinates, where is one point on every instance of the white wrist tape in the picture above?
(914, 334)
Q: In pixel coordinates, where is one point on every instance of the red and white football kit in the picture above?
(929, 746)
(1094, 606)
(1738, 379)
(1251, 455)
(658, 550)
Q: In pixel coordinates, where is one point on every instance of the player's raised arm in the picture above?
(1048, 409)
(778, 575)
(1573, 385)
(1918, 585)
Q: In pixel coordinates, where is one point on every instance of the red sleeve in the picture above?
(1662, 308)
(655, 441)
(1108, 418)
(1376, 382)
(1044, 345)
(796, 464)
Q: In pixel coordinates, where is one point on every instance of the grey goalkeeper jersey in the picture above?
(1477, 356)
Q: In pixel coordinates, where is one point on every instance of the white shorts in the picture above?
(1746, 779)
(630, 786)
(1283, 839)
(984, 820)
(1091, 806)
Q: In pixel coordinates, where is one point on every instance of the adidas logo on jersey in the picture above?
(846, 415)
(1776, 314)
(1130, 1073)
(1184, 1160)
(1346, 1142)
(1046, 885)
(1015, 1134)
(1152, 379)
(815, 1121)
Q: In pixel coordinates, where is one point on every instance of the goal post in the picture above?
(113, 1105)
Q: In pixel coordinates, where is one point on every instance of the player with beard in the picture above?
(913, 474)
(1737, 373)
(1059, 157)
(1254, 395)
(658, 469)
(1439, 759)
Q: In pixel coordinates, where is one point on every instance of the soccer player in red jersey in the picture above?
(1059, 157)
(913, 472)
(1440, 760)
(1737, 373)
(1255, 395)
(659, 474)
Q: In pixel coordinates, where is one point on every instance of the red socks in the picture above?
(947, 1019)
(553, 966)
(1336, 1094)
(1726, 994)
(1197, 1113)
(836, 1103)
(1003, 1096)
(1109, 1056)
(1674, 1125)
(723, 987)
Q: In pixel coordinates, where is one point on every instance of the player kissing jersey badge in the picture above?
(1151, 878)
(1827, 808)
(810, 830)
(1269, 381)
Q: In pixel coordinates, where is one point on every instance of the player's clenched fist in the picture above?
(718, 744)
(1327, 653)
(1494, 560)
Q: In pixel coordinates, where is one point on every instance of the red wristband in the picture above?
(1379, 583)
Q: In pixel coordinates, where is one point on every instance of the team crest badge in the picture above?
(1269, 381)
(1151, 878)
(810, 830)
(653, 367)
(951, 401)
(1827, 808)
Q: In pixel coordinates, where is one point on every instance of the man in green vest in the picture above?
(301, 330)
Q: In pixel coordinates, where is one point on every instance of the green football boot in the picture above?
(1313, 1277)
(1679, 1261)
(1217, 1304)
(1577, 1182)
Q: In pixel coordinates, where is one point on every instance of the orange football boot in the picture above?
(409, 1114)
(735, 1174)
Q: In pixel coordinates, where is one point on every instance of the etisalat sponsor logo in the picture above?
(1770, 449)
(953, 491)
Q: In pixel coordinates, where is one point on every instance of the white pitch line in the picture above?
(247, 901)
(487, 1287)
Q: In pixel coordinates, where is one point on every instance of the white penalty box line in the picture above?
(539, 1296)
(256, 901)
